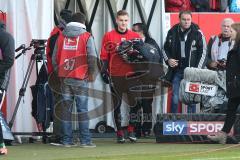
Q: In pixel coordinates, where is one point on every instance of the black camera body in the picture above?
(128, 51)
(222, 64)
(38, 43)
(39, 46)
(222, 61)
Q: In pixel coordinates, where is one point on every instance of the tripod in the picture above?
(38, 54)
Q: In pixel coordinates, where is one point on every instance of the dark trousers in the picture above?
(54, 84)
(143, 121)
(147, 115)
(119, 86)
(231, 114)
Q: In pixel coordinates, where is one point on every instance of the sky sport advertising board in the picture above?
(191, 127)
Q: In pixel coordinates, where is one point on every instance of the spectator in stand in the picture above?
(201, 5)
(215, 5)
(234, 5)
(178, 5)
(224, 5)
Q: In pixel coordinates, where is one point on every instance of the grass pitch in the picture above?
(108, 149)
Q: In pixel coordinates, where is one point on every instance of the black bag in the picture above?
(42, 103)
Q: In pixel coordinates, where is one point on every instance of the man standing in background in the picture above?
(185, 46)
(6, 62)
(54, 83)
(144, 126)
(73, 57)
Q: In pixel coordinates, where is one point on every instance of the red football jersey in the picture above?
(117, 66)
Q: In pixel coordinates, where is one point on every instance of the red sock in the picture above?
(130, 128)
(120, 133)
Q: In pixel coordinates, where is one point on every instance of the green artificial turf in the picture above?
(108, 149)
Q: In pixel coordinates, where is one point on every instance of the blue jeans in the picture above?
(1, 99)
(178, 76)
(77, 93)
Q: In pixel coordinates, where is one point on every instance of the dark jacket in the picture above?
(195, 47)
(6, 56)
(221, 40)
(233, 73)
(152, 42)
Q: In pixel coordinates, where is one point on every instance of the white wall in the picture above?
(26, 20)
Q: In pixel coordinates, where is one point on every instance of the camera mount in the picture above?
(38, 55)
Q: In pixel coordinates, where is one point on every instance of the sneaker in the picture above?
(120, 139)
(70, 145)
(67, 145)
(220, 137)
(132, 137)
(3, 151)
(56, 144)
(90, 145)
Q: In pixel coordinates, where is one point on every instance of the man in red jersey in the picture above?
(121, 72)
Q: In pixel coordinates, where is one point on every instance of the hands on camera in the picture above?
(218, 65)
(221, 64)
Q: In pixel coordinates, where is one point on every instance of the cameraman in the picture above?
(219, 46)
(6, 62)
(144, 126)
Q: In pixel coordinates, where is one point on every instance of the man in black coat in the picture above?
(144, 124)
(6, 61)
(185, 46)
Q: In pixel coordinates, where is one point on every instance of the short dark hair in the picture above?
(141, 28)
(184, 12)
(122, 13)
(79, 17)
(66, 15)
